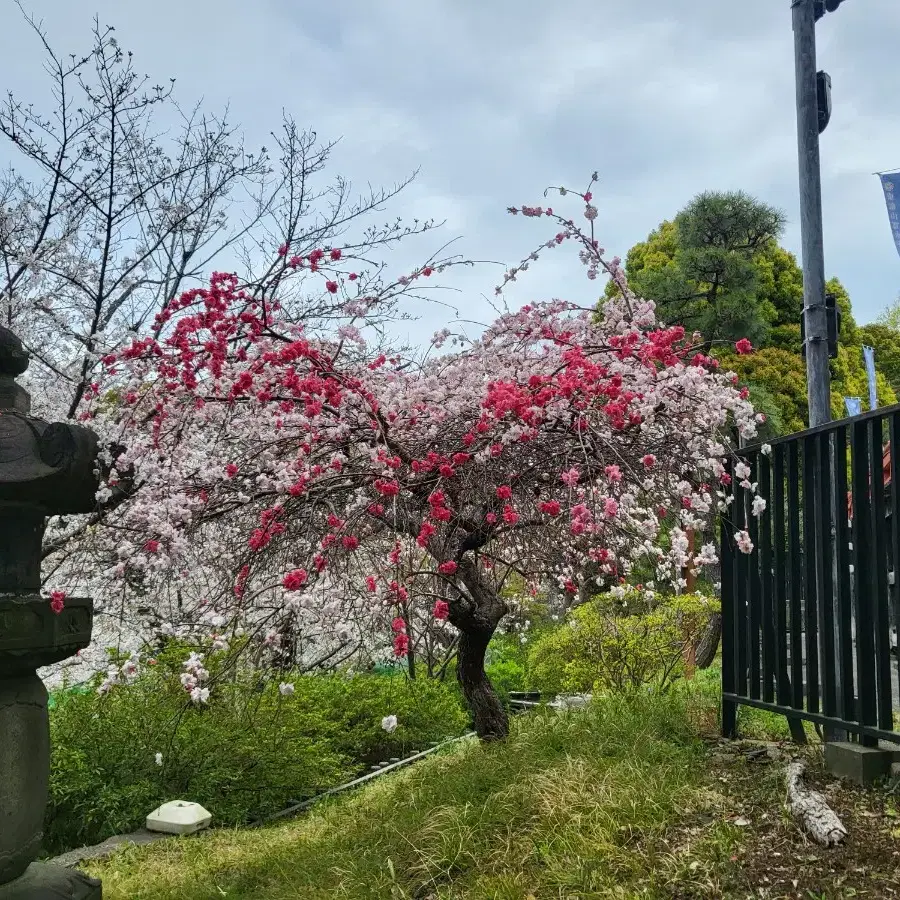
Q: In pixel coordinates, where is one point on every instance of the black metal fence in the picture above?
(809, 616)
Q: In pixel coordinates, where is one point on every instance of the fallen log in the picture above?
(810, 808)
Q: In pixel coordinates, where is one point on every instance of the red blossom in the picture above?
(401, 645)
(441, 609)
(387, 488)
(57, 601)
(295, 579)
(743, 346)
(447, 568)
(425, 532)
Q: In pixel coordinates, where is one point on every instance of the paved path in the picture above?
(895, 670)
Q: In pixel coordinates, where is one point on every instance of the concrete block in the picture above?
(43, 881)
(179, 817)
(863, 765)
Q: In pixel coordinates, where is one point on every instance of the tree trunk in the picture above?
(477, 612)
(708, 645)
(490, 718)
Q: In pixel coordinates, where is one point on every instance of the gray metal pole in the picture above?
(818, 376)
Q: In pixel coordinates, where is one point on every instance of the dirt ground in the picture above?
(742, 843)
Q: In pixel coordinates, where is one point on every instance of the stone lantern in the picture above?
(45, 469)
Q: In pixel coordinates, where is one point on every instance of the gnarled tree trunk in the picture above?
(477, 613)
(490, 718)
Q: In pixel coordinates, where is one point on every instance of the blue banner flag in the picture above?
(869, 357)
(891, 185)
(854, 405)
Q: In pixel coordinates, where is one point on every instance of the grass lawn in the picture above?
(626, 800)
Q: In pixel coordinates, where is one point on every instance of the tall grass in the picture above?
(571, 806)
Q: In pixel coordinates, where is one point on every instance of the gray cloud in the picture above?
(496, 101)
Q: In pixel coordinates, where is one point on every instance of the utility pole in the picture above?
(819, 315)
(818, 375)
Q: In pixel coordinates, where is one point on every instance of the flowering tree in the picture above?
(355, 486)
(107, 214)
(116, 201)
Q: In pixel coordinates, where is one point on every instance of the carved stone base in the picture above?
(24, 772)
(43, 881)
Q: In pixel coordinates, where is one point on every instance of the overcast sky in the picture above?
(495, 100)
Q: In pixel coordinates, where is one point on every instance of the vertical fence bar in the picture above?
(795, 556)
(766, 580)
(741, 577)
(882, 633)
(863, 576)
(812, 535)
(729, 654)
(846, 694)
(895, 527)
(825, 574)
(754, 591)
(778, 516)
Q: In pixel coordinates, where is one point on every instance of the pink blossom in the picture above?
(57, 601)
(510, 516)
(401, 645)
(295, 579)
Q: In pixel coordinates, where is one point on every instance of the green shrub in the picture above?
(619, 645)
(505, 664)
(506, 675)
(248, 752)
